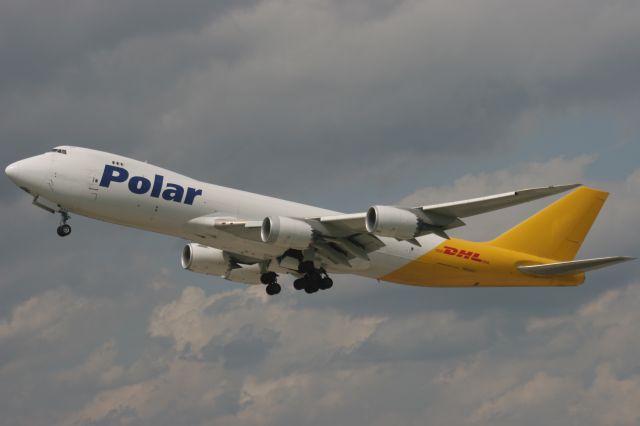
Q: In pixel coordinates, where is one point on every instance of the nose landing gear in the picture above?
(64, 229)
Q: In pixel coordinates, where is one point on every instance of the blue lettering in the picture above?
(191, 194)
(157, 186)
(173, 193)
(139, 185)
(109, 175)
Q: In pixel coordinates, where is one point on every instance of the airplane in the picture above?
(255, 239)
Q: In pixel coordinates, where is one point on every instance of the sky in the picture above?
(341, 104)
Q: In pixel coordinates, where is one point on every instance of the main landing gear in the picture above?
(313, 279)
(270, 279)
(64, 229)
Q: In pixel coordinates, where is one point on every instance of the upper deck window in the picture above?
(58, 150)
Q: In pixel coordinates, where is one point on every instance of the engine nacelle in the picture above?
(286, 232)
(204, 260)
(392, 222)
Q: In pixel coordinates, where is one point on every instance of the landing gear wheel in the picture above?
(310, 289)
(312, 284)
(268, 277)
(273, 288)
(326, 283)
(63, 230)
(299, 284)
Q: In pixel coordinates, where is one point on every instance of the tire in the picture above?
(273, 289)
(311, 286)
(63, 230)
(299, 284)
(326, 283)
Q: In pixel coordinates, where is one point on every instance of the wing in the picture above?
(339, 239)
(439, 217)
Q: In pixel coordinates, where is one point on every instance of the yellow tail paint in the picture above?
(553, 234)
(558, 231)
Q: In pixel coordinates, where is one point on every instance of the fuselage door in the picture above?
(94, 184)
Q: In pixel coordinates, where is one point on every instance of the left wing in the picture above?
(409, 223)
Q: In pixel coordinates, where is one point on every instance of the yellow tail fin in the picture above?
(557, 232)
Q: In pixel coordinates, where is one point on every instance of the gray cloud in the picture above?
(340, 104)
(291, 88)
(556, 366)
(41, 39)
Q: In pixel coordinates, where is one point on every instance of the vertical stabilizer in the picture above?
(557, 232)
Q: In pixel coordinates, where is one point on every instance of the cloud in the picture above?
(529, 398)
(334, 103)
(187, 322)
(516, 373)
(555, 171)
(47, 316)
(82, 29)
(609, 400)
(401, 85)
(98, 367)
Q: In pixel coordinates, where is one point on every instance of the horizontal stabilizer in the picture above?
(574, 266)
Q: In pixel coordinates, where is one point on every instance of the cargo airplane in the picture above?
(254, 239)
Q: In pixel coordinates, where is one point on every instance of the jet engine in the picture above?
(392, 222)
(286, 232)
(205, 260)
(211, 261)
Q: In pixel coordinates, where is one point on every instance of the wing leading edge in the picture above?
(440, 217)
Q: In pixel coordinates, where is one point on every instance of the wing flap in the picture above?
(352, 223)
(246, 229)
(573, 267)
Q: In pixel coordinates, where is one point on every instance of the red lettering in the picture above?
(465, 254)
(450, 250)
(469, 255)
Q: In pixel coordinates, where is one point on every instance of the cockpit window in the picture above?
(60, 151)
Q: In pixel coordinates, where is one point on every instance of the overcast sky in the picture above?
(341, 104)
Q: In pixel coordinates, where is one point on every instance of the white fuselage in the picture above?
(92, 183)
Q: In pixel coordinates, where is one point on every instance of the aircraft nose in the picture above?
(13, 170)
(28, 173)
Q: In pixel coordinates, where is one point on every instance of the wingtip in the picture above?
(545, 191)
(566, 187)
